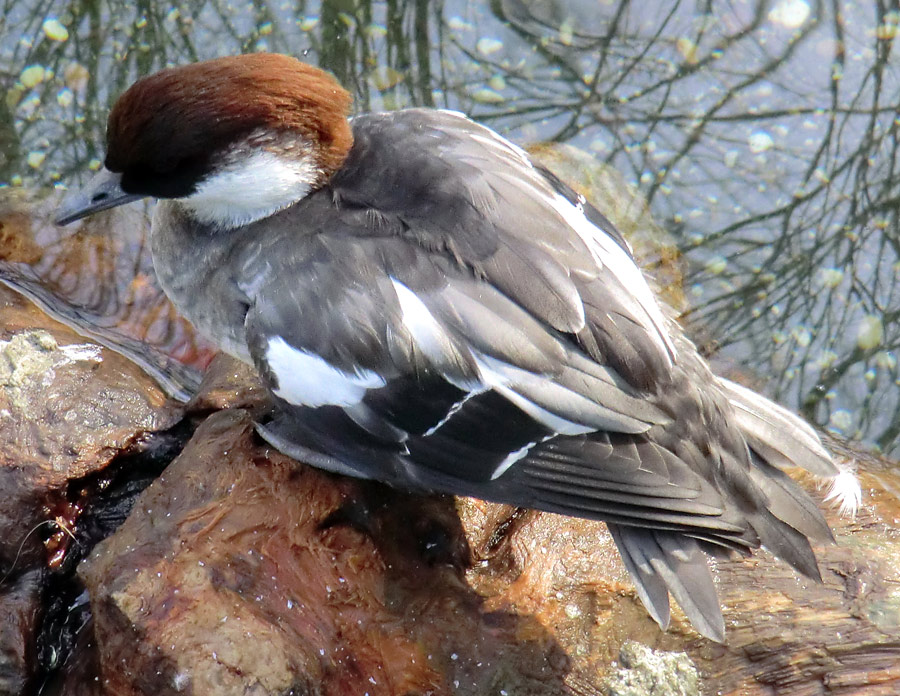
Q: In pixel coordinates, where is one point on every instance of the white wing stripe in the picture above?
(305, 379)
(496, 379)
(421, 324)
(511, 459)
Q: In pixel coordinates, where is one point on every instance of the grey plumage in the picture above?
(491, 335)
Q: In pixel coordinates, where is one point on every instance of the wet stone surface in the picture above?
(20, 608)
(240, 570)
(644, 671)
(68, 407)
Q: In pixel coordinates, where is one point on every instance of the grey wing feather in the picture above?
(521, 357)
(776, 434)
(661, 560)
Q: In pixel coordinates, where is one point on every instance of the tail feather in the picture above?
(651, 588)
(788, 502)
(787, 543)
(662, 562)
(776, 434)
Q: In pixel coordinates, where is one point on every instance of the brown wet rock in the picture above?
(228, 383)
(20, 608)
(644, 671)
(785, 634)
(242, 571)
(79, 676)
(67, 407)
(789, 635)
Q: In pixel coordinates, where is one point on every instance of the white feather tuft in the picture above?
(306, 379)
(845, 491)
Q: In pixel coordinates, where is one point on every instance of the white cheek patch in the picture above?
(251, 188)
(610, 255)
(305, 379)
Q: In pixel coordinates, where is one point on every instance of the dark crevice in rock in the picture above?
(65, 633)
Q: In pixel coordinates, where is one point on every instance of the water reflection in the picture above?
(763, 134)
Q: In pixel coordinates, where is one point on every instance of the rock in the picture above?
(241, 571)
(20, 608)
(789, 635)
(785, 634)
(67, 407)
(646, 672)
(229, 383)
(97, 278)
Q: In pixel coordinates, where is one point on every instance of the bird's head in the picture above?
(234, 139)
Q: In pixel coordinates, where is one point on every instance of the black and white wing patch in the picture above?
(454, 375)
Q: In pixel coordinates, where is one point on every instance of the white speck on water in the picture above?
(885, 360)
(841, 419)
(716, 265)
(485, 95)
(790, 14)
(870, 332)
(54, 29)
(830, 277)
(36, 158)
(457, 23)
(759, 142)
(826, 360)
(32, 76)
(65, 97)
(802, 336)
(487, 46)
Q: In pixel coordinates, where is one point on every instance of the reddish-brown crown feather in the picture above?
(185, 114)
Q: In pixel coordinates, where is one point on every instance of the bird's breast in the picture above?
(194, 268)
